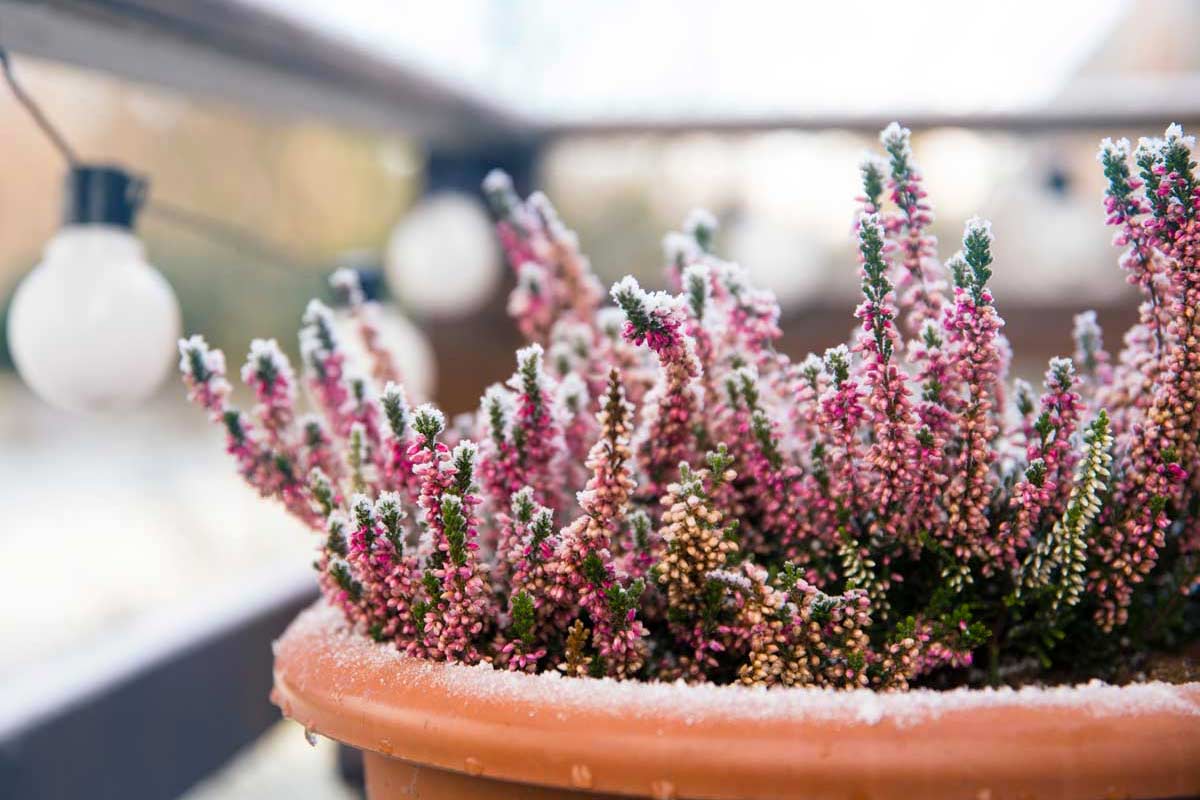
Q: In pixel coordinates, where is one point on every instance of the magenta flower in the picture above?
(664, 494)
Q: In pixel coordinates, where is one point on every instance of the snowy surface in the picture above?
(696, 703)
(111, 521)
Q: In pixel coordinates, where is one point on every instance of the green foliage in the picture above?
(1023, 395)
(639, 523)
(1035, 473)
(712, 603)
(622, 600)
(977, 251)
(1116, 170)
(629, 296)
(1177, 161)
(335, 540)
(924, 436)
(810, 370)
(875, 284)
(430, 423)
(521, 608)
(837, 364)
(704, 234)
(364, 514)
(432, 585)
(454, 525)
(390, 514)
(497, 413)
(872, 182)
(196, 365)
(539, 531)
(529, 368)
(523, 505)
(952, 621)
(233, 425)
(340, 572)
(594, 570)
(765, 436)
(719, 461)
(322, 491)
(1044, 427)
(464, 468)
(896, 144)
(1146, 159)
(395, 410)
(356, 457)
(697, 292)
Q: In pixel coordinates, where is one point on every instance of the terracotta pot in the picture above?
(446, 731)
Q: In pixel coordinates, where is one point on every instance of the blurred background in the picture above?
(355, 132)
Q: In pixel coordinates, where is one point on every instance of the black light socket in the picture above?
(369, 265)
(102, 195)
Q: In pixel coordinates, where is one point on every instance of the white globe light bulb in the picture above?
(93, 327)
(442, 259)
(404, 340)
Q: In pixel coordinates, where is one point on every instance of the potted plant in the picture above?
(664, 560)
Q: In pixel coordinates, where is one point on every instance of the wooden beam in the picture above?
(232, 51)
(1026, 122)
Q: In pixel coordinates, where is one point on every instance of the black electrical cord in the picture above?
(224, 233)
(212, 228)
(56, 138)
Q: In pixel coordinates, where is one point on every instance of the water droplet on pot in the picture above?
(386, 747)
(310, 736)
(983, 794)
(581, 776)
(474, 766)
(663, 790)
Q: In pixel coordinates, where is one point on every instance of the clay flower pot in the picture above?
(446, 731)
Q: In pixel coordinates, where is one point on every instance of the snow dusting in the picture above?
(353, 651)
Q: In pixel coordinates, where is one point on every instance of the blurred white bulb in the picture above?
(779, 258)
(93, 327)
(400, 337)
(442, 259)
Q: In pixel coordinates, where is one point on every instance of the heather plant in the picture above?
(659, 493)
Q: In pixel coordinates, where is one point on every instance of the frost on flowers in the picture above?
(658, 493)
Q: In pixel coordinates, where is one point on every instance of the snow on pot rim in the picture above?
(677, 740)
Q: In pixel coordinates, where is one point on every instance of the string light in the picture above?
(93, 326)
(446, 235)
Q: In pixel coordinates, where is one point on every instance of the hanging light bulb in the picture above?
(407, 344)
(442, 259)
(93, 326)
(404, 340)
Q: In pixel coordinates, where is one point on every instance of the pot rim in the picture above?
(677, 740)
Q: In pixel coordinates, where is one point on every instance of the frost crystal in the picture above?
(660, 494)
